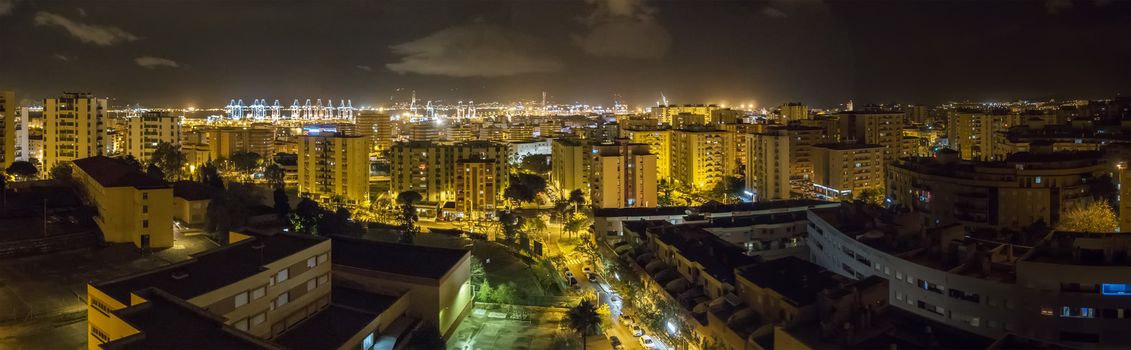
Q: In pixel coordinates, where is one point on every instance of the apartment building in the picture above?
(658, 139)
(334, 166)
(133, 207)
(9, 114)
(568, 161)
(971, 132)
(1024, 188)
(844, 170)
(225, 141)
(429, 168)
(148, 130)
(699, 157)
(283, 291)
(74, 128)
(476, 194)
(623, 176)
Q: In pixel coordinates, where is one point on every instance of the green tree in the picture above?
(728, 190)
(575, 224)
(210, 175)
(517, 192)
(510, 223)
(306, 216)
(577, 198)
(408, 200)
(22, 170)
(871, 196)
(274, 175)
(169, 159)
(131, 161)
(485, 294)
(62, 171)
(536, 163)
(583, 319)
(245, 162)
(1095, 216)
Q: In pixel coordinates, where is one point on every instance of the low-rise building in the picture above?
(190, 202)
(133, 207)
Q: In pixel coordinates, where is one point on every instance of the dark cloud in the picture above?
(365, 68)
(6, 7)
(478, 49)
(623, 28)
(773, 12)
(87, 33)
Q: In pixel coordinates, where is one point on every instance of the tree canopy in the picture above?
(1095, 216)
(62, 171)
(583, 319)
(245, 162)
(408, 200)
(169, 159)
(23, 169)
(535, 163)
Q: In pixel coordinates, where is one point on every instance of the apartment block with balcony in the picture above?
(844, 170)
(334, 166)
(623, 176)
(74, 128)
(700, 157)
(148, 130)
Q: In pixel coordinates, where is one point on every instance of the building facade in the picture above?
(74, 128)
(334, 166)
(843, 170)
(148, 130)
(623, 176)
(133, 207)
(699, 157)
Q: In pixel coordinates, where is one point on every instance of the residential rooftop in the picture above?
(401, 259)
(845, 146)
(351, 311)
(797, 280)
(718, 257)
(212, 269)
(192, 190)
(166, 322)
(110, 172)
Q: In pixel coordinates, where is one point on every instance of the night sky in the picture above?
(203, 53)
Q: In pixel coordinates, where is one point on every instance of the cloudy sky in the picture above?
(200, 53)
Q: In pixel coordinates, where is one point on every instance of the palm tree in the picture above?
(577, 198)
(583, 319)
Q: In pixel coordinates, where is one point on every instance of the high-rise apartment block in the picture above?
(148, 130)
(476, 194)
(429, 168)
(768, 165)
(74, 128)
(699, 156)
(623, 176)
(225, 141)
(794, 111)
(667, 114)
(658, 140)
(568, 163)
(332, 166)
(875, 127)
(971, 132)
(9, 108)
(843, 170)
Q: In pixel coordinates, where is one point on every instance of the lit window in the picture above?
(258, 293)
(282, 275)
(282, 299)
(311, 284)
(241, 325)
(311, 262)
(241, 299)
(258, 318)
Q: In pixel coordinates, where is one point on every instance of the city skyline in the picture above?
(176, 53)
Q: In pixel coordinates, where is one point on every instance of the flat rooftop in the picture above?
(798, 280)
(110, 172)
(660, 211)
(799, 204)
(165, 322)
(350, 311)
(212, 269)
(719, 258)
(401, 259)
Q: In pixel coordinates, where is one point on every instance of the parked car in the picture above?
(615, 342)
(593, 277)
(587, 269)
(647, 342)
(637, 331)
(569, 273)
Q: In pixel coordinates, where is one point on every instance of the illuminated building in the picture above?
(425, 131)
(1067, 288)
(476, 194)
(74, 128)
(429, 168)
(658, 140)
(521, 149)
(225, 141)
(623, 176)
(9, 108)
(133, 207)
(666, 114)
(843, 170)
(699, 156)
(196, 154)
(917, 114)
(149, 129)
(873, 126)
(377, 126)
(284, 291)
(1023, 189)
(687, 120)
(768, 165)
(971, 132)
(29, 134)
(794, 111)
(334, 165)
(567, 157)
(925, 141)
